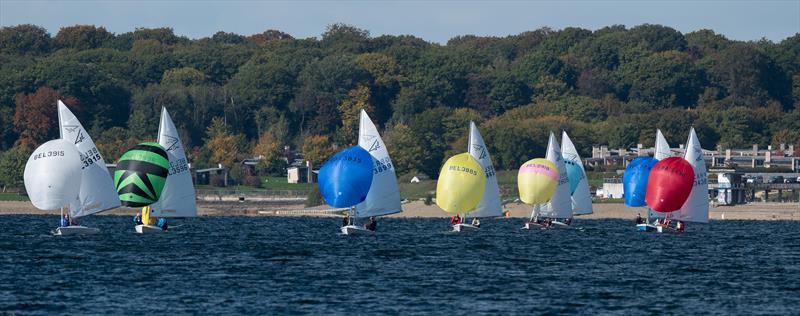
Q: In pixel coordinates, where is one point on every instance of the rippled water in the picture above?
(273, 265)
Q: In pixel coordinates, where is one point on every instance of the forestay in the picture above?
(178, 197)
(97, 192)
(695, 209)
(581, 198)
(560, 205)
(384, 196)
(490, 205)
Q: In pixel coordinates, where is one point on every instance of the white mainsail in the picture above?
(695, 209)
(662, 147)
(178, 197)
(560, 205)
(384, 196)
(53, 175)
(490, 205)
(581, 198)
(97, 192)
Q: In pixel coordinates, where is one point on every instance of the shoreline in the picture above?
(418, 209)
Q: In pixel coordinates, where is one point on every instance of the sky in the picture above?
(432, 20)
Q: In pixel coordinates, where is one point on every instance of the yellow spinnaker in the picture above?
(461, 184)
(537, 181)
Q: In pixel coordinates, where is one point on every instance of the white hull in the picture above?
(75, 230)
(356, 230)
(557, 224)
(148, 229)
(530, 225)
(464, 228)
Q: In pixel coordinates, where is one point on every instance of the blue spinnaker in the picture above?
(634, 182)
(345, 179)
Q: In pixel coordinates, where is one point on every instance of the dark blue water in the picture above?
(272, 265)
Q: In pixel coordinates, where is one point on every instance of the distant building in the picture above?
(301, 173)
(783, 157)
(203, 176)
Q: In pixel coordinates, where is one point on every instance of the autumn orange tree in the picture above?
(225, 148)
(317, 149)
(35, 118)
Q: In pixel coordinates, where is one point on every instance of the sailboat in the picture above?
(52, 175)
(537, 180)
(460, 187)
(345, 180)
(178, 199)
(578, 182)
(695, 209)
(662, 151)
(559, 209)
(490, 204)
(97, 189)
(668, 186)
(384, 196)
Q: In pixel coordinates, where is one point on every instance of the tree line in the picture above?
(234, 96)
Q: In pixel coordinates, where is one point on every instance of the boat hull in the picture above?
(531, 225)
(464, 228)
(557, 224)
(75, 230)
(646, 227)
(356, 230)
(149, 229)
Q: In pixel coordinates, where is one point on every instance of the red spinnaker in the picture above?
(669, 184)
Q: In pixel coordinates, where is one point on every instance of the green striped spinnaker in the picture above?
(140, 175)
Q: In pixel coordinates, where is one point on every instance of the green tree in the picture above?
(12, 166)
(185, 76)
(82, 37)
(24, 39)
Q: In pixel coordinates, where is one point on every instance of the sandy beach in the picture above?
(756, 211)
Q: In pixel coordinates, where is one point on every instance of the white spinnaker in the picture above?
(560, 205)
(662, 147)
(178, 197)
(384, 196)
(53, 175)
(695, 209)
(581, 198)
(490, 205)
(97, 192)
